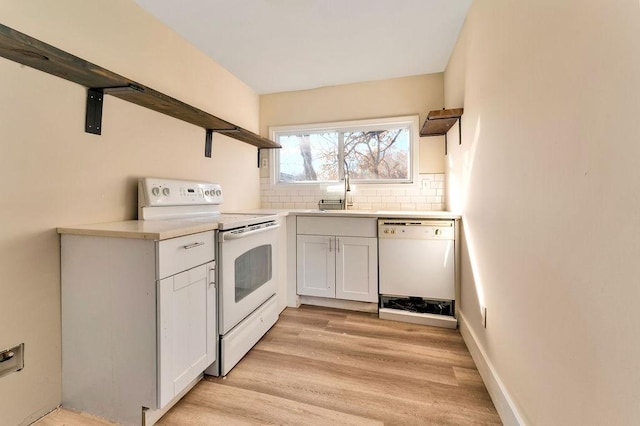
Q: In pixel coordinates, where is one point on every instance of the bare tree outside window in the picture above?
(303, 157)
(366, 154)
(377, 154)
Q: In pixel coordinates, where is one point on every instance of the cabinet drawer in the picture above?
(341, 226)
(182, 253)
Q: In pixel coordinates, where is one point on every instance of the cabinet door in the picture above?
(316, 265)
(185, 331)
(357, 269)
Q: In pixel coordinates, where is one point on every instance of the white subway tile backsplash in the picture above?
(367, 192)
(427, 193)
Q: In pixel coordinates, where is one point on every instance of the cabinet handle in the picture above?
(212, 277)
(190, 246)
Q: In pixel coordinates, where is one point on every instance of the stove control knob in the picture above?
(155, 191)
(438, 231)
(206, 193)
(218, 192)
(166, 192)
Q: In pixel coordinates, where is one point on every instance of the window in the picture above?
(367, 151)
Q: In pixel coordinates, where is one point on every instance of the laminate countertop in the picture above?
(165, 229)
(388, 214)
(141, 229)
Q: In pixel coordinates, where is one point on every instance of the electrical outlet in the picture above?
(264, 164)
(484, 316)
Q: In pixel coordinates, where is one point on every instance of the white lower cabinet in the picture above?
(138, 323)
(316, 266)
(186, 314)
(337, 266)
(357, 269)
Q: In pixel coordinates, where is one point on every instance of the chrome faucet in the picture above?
(347, 192)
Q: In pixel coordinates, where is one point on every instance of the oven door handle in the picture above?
(230, 236)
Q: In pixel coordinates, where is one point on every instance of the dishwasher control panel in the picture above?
(416, 229)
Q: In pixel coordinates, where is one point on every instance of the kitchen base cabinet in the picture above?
(186, 311)
(343, 265)
(138, 323)
(357, 269)
(316, 265)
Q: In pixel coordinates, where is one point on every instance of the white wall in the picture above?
(55, 174)
(547, 180)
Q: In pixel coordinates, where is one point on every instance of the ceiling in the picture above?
(284, 45)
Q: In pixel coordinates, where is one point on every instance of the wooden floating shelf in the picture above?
(36, 54)
(440, 121)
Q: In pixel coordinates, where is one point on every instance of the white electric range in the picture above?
(246, 260)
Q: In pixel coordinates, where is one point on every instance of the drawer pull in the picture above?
(190, 246)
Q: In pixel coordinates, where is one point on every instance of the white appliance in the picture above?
(417, 271)
(246, 260)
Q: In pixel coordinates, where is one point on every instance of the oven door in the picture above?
(248, 274)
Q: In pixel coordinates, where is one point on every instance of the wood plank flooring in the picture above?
(321, 366)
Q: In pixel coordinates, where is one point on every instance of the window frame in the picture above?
(410, 121)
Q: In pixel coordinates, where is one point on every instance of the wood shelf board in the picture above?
(154, 100)
(253, 139)
(28, 51)
(34, 53)
(439, 122)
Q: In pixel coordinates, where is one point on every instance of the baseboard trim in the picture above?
(509, 413)
(349, 305)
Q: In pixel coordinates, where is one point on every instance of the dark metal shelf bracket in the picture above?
(459, 136)
(95, 99)
(208, 143)
(93, 119)
(208, 140)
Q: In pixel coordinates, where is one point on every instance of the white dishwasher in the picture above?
(416, 259)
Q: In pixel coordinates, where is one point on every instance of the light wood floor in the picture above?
(320, 366)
